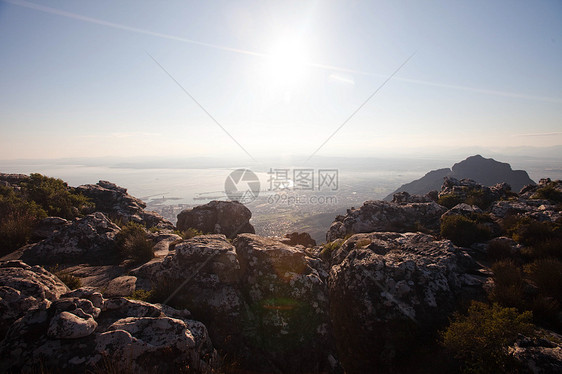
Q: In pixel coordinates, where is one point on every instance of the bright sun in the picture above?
(286, 63)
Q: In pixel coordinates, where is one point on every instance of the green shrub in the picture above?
(141, 295)
(479, 198)
(18, 217)
(529, 232)
(549, 248)
(55, 197)
(70, 280)
(190, 233)
(480, 338)
(133, 243)
(508, 284)
(548, 192)
(463, 231)
(330, 248)
(449, 200)
(498, 250)
(546, 273)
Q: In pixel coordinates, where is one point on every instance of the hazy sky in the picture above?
(77, 77)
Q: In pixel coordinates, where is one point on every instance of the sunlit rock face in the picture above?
(388, 291)
(217, 217)
(83, 332)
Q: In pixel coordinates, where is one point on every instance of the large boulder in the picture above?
(119, 205)
(217, 217)
(82, 332)
(389, 292)
(88, 239)
(386, 216)
(202, 274)
(264, 302)
(286, 293)
(24, 287)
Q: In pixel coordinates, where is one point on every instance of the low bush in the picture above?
(463, 231)
(508, 284)
(330, 248)
(498, 250)
(133, 243)
(70, 280)
(550, 248)
(530, 232)
(190, 233)
(546, 273)
(480, 338)
(449, 200)
(18, 217)
(55, 196)
(548, 192)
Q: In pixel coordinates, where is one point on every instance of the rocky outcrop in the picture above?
(203, 275)
(538, 355)
(88, 239)
(485, 171)
(263, 302)
(286, 294)
(389, 291)
(24, 287)
(47, 227)
(82, 332)
(296, 238)
(12, 179)
(115, 202)
(386, 216)
(217, 217)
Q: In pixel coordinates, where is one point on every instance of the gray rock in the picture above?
(48, 226)
(387, 290)
(204, 274)
(538, 355)
(24, 287)
(286, 294)
(88, 239)
(386, 216)
(72, 335)
(66, 325)
(118, 204)
(217, 217)
(124, 285)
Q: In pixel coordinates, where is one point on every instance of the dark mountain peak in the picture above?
(485, 171)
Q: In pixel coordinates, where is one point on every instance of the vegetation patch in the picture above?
(132, 243)
(480, 338)
(463, 231)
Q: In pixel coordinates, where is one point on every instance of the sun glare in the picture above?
(286, 63)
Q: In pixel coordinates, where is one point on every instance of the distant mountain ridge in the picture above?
(485, 171)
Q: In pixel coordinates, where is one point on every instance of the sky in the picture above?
(251, 79)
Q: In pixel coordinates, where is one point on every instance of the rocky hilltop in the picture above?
(110, 287)
(485, 171)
